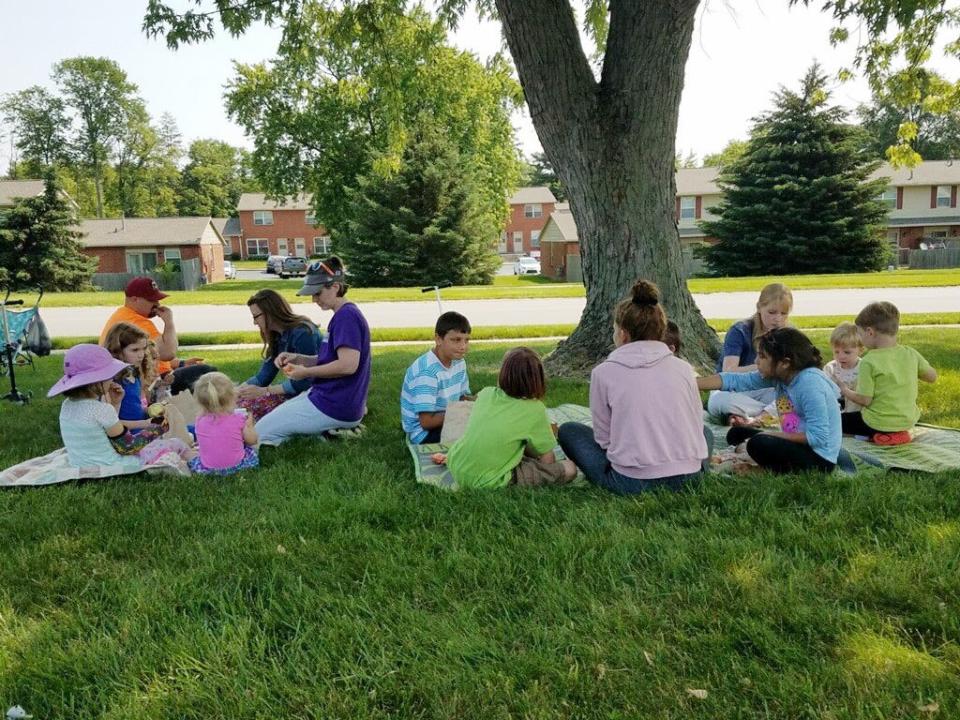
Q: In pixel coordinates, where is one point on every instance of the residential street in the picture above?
(214, 318)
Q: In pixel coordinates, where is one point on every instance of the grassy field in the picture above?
(490, 332)
(328, 584)
(236, 292)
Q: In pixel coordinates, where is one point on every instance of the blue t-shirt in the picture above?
(429, 386)
(344, 398)
(738, 342)
(131, 407)
(301, 339)
(807, 404)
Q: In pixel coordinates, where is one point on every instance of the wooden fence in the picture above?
(948, 257)
(189, 278)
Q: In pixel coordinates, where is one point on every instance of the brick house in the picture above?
(231, 233)
(135, 245)
(560, 246)
(530, 207)
(285, 227)
(922, 202)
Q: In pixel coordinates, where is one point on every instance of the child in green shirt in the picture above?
(508, 439)
(887, 383)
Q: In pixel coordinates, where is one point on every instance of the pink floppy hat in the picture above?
(86, 364)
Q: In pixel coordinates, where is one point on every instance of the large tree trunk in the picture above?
(612, 144)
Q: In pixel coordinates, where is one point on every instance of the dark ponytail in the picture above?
(791, 345)
(640, 315)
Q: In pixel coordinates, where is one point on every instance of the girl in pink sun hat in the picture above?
(88, 416)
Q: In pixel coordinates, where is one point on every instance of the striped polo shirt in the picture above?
(429, 386)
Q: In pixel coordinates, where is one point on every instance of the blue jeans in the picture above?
(577, 442)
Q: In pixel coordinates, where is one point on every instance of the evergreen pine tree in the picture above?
(420, 225)
(799, 199)
(38, 244)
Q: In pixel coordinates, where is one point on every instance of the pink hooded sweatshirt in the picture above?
(647, 413)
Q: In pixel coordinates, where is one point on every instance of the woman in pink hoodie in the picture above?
(648, 430)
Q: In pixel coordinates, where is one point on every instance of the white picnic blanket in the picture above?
(55, 468)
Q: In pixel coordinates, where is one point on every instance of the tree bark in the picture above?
(612, 144)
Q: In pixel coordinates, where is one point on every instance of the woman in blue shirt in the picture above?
(739, 355)
(282, 331)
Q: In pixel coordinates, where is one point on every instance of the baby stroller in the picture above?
(15, 329)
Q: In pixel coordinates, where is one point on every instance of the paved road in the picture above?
(505, 269)
(211, 318)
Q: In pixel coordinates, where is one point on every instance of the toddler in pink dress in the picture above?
(226, 438)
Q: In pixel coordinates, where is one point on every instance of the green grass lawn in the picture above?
(236, 292)
(328, 585)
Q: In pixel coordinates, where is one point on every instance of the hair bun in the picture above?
(645, 294)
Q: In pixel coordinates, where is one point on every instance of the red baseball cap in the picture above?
(144, 287)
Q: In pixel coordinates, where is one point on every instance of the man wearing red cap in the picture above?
(142, 303)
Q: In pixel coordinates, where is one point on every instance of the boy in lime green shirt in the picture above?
(887, 384)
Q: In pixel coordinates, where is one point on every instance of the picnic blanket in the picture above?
(54, 468)
(934, 449)
(432, 474)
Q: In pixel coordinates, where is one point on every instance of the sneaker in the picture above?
(901, 437)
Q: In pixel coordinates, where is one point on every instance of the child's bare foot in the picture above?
(738, 420)
(569, 470)
(439, 458)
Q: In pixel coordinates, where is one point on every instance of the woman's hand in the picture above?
(248, 392)
(285, 358)
(295, 372)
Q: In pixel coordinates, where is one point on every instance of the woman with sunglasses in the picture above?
(282, 331)
(339, 373)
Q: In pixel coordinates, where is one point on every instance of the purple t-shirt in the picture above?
(344, 398)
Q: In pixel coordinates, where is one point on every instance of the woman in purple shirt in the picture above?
(340, 372)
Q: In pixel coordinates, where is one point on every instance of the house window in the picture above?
(310, 218)
(943, 196)
(141, 261)
(688, 207)
(889, 198)
(533, 210)
(263, 217)
(257, 246)
(321, 245)
(534, 238)
(172, 256)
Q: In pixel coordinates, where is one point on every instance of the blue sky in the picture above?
(741, 52)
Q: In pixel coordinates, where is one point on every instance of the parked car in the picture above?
(229, 271)
(526, 266)
(290, 265)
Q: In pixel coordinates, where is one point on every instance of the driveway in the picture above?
(548, 311)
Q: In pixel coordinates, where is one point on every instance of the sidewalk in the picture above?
(221, 318)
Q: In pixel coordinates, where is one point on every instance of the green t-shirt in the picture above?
(889, 376)
(499, 428)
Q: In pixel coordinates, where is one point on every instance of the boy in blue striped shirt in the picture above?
(435, 379)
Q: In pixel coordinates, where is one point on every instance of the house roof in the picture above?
(145, 232)
(538, 194)
(702, 181)
(12, 189)
(259, 201)
(931, 172)
(563, 219)
(228, 227)
(697, 181)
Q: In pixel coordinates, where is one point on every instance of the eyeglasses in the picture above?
(258, 315)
